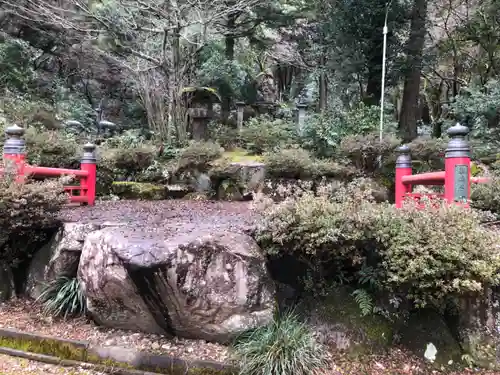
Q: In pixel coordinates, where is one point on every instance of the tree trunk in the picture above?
(175, 106)
(229, 54)
(411, 92)
(374, 79)
(323, 87)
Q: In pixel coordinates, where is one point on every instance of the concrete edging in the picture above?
(71, 351)
(69, 363)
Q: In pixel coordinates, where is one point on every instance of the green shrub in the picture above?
(324, 132)
(126, 140)
(486, 197)
(52, 149)
(263, 134)
(427, 255)
(363, 151)
(299, 164)
(15, 57)
(27, 210)
(225, 135)
(122, 164)
(285, 346)
(428, 154)
(63, 297)
(198, 156)
(132, 160)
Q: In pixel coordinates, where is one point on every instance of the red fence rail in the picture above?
(14, 153)
(456, 177)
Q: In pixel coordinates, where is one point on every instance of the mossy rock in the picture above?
(138, 190)
(339, 323)
(229, 191)
(236, 181)
(426, 327)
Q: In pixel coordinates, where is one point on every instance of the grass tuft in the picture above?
(284, 347)
(63, 297)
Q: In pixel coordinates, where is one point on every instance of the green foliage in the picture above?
(477, 107)
(364, 301)
(227, 136)
(263, 134)
(229, 76)
(299, 164)
(363, 150)
(15, 64)
(427, 255)
(72, 105)
(127, 139)
(26, 211)
(324, 132)
(428, 154)
(123, 164)
(63, 297)
(198, 156)
(486, 197)
(52, 149)
(285, 346)
(130, 160)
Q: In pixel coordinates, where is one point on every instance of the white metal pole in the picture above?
(382, 93)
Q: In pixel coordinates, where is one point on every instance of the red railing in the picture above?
(456, 177)
(14, 154)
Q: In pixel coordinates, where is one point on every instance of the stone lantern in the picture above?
(267, 96)
(200, 101)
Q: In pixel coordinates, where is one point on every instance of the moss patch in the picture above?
(239, 155)
(372, 333)
(138, 190)
(81, 353)
(46, 346)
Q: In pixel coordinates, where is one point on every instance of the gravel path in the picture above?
(21, 366)
(27, 316)
(168, 217)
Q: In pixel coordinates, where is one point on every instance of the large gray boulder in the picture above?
(210, 285)
(59, 257)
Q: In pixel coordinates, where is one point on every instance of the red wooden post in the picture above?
(457, 166)
(88, 163)
(14, 151)
(403, 168)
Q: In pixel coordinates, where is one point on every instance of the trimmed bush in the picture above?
(52, 149)
(423, 255)
(64, 298)
(130, 160)
(296, 163)
(363, 151)
(26, 211)
(486, 197)
(284, 347)
(263, 134)
(428, 154)
(198, 156)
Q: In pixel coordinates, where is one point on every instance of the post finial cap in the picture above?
(458, 130)
(14, 130)
(403, 149)
(89, 147)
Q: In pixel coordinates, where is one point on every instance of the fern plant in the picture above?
(63, 297)
(364, 301)
(284, 347)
